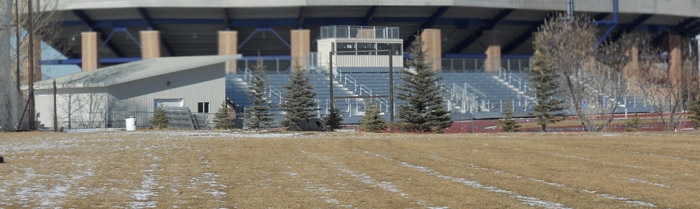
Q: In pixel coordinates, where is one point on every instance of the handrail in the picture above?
(475, 90)
(352, 80)
(366, 89)
(276, 92)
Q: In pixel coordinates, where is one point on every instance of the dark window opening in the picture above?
(203, 107)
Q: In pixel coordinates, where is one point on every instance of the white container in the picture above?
(130, 123)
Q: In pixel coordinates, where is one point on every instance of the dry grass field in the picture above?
(148, 169)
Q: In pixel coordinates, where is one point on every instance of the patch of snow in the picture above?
(627, 200)
(647, 182)
(531, 201)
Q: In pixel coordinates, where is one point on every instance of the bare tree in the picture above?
(45, 26)
(590, 74)
(668, 77)
(44, 29)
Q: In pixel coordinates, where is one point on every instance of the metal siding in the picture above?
(204, 84)
(76, 108)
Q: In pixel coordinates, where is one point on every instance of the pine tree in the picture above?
(695, 110)
(299, 101)
(508, 124)
(425, 109)
(548, 109)
(334, 120)
(372, 121)
(258, 114)
(159, 120)
(222, 119)
(633, 124)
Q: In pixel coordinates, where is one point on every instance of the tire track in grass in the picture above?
(145, 196)
(367, 179)
(601, 195)
(605, 196)
(530, 201)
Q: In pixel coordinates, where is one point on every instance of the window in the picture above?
(386, 46)
(345, 47)
(203, 107)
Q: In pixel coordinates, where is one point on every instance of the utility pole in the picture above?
(391, 86)
(330, 78)
(30, 94)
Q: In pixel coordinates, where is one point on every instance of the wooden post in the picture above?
(55, 117)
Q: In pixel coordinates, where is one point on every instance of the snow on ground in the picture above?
(145, 196)
(607, 196)
(367, 179)
(531, 201)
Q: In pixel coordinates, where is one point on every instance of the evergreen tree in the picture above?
(258, 114)
(425, 109)
(159, 120)
(508, 124)
(548, 109)
(695, 110)
(633, 124)
(299, 101)
(334, 120)
(372, 121)
(222, 119)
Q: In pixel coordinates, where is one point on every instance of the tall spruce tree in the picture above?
(334, 120)
(258, 114)
(425, 109)
(548, 109)
(299, 101)
(508, 124)
(372, 121)
(222, 118)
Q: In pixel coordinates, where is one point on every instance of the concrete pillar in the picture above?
(493, 52)
(25, 60)
(150, 44)
(90, 42)
(432, 45)
(301, 46)
(228, 44)
(676, 62)
(631, 70)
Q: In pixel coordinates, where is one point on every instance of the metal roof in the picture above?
(132, 71)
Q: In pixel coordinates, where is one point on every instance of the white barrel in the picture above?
(131, 123)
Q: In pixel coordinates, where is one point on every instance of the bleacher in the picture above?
(469, 94)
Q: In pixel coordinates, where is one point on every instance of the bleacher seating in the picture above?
(469, 94)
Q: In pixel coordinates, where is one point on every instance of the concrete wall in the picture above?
(109, 106)
(662, 7)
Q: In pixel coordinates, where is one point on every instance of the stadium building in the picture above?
(464, 38)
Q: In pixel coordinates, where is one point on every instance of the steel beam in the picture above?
(630, 27)
(426, 24)
(612, 23)
(524, 36)
(149, 21)
(227, 20)
(689, 26)
(479, 32)
(301, 17)
(93, 27)
(77, 61)
(370, 15)
(257, 30)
